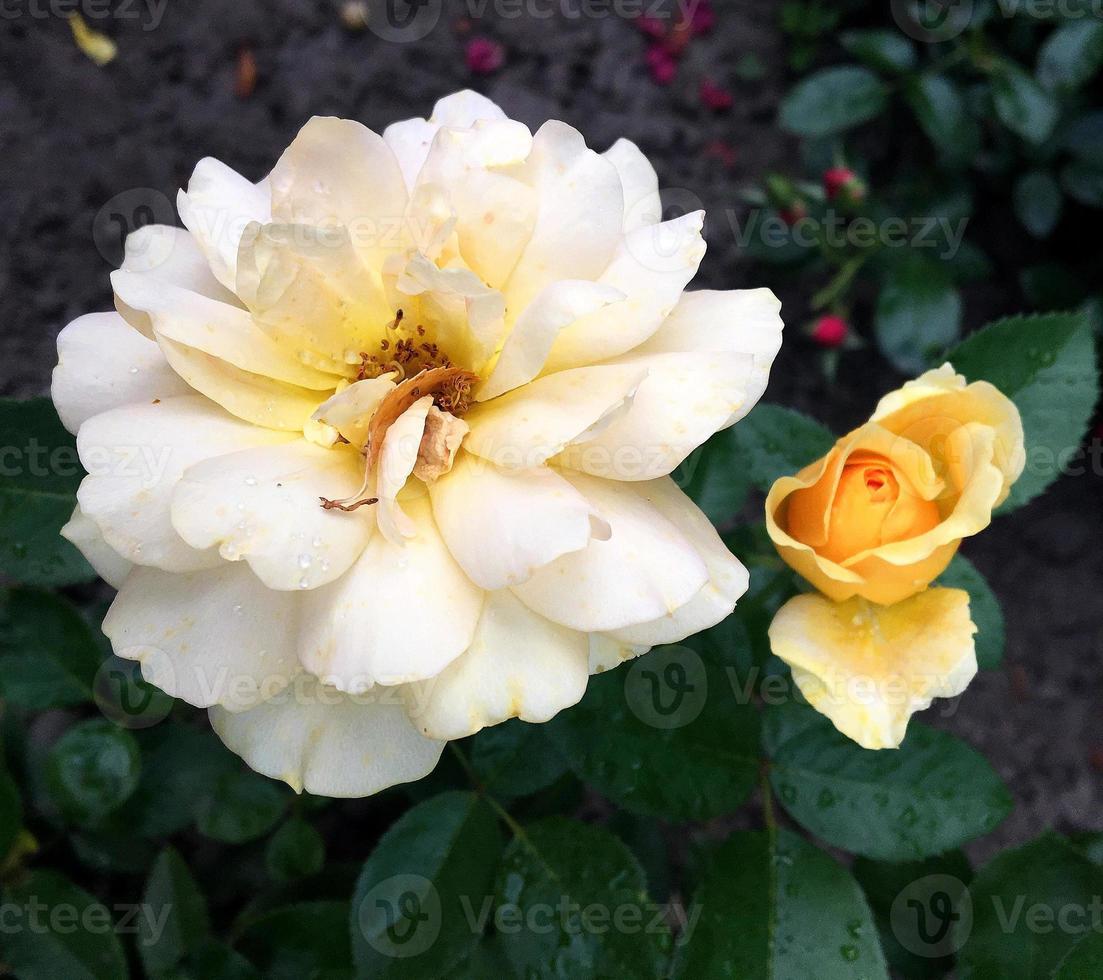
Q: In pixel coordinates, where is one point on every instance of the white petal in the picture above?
(171, 255)
(683, 400)
(530, 341)
(652, 266)
(578, 189)
(519, 665)
(501, 525)
(84, 533)
(397, 459)
(338, 172)
(608, 654)
(350, 411)
(645, 570)
(464, 108)
(326, 743)
(728, 579)
(216, 208)
(402, 613)
(104, 363)
(223, 331)
(642, 204)
(210, 637)
(135, 457)
(527, 426)
(737, 321)
(263, 506)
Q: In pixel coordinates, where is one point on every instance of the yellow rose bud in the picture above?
(882, 514)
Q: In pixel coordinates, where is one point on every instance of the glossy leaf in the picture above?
(242, 806)
(918, 314)
(1022, 105)
(833, 100)
(92, 770)
(931, 794)
(1038, 200)
(295, 851)
(515, 759)
(884, 50)
(308, 939)
(175, 922)
(774, 441)
(941, 111)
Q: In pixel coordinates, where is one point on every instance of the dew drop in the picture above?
(250, 481)
(304, 583)
(133, 370)
(305, 561)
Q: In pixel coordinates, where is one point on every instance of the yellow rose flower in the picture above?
(871, 525)
(883, 513)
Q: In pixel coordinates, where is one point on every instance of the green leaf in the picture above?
(772, 905)
(1030, 906)
(918, 314)
(515, 759)
(41, 473)
(63, 932)
(1084, 961)
(418, 902)
(1083, 137)
(1046, 364)
(295, 851)
(92, 770)
(243, 806)
(1037, 199)
(1071, 55)
(677, 742)
(11, 811)
(931, 794)
(49, 654)
(775, 441)
(1083, 180)
(984, 607)
(1023, 106)
(175, 922)
(942, 114)
(833, 100)
(213, 960)
(572, 902)
(885, 50)
(716, 479)
(912, 903)
(309, 939)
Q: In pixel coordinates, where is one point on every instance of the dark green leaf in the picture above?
(242, 807)
(515, 759)
(918, 314)
(424, 892)
(885, 50)
(1052, 287)
(1083, 137)
(913, 903)
(1037, 200)
(1083, 180)
(175, 921)
(716, 479)
(41, 473)
(1072, 54)
(572, 902)
(1084, 961)
(296, 850)
(776, 441)
(984, 608)
(832, 101)
(214, 961)
(1030, 907)
(92, 770)
(1046, 364)
(1023, 106)
(48, 653)
(677, 741)
(61, 932)
(940, 109)
(775, 906)
(931, 794)
(310, 939)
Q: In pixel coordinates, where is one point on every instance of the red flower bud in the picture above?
(484, 56)
(793, 213)
(830, 330)
(714, 96)
(838, 180)
(661, 65)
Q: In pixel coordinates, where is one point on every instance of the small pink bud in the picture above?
(703, 18)
(661, 65)
(484, 56)
(830, 330)
(838, 180)
(714, 96)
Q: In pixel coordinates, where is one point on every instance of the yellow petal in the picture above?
(99, 47)
(869, 668)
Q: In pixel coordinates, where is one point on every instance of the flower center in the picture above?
(405, 351)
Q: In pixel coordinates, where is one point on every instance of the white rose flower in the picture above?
(379, 448)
